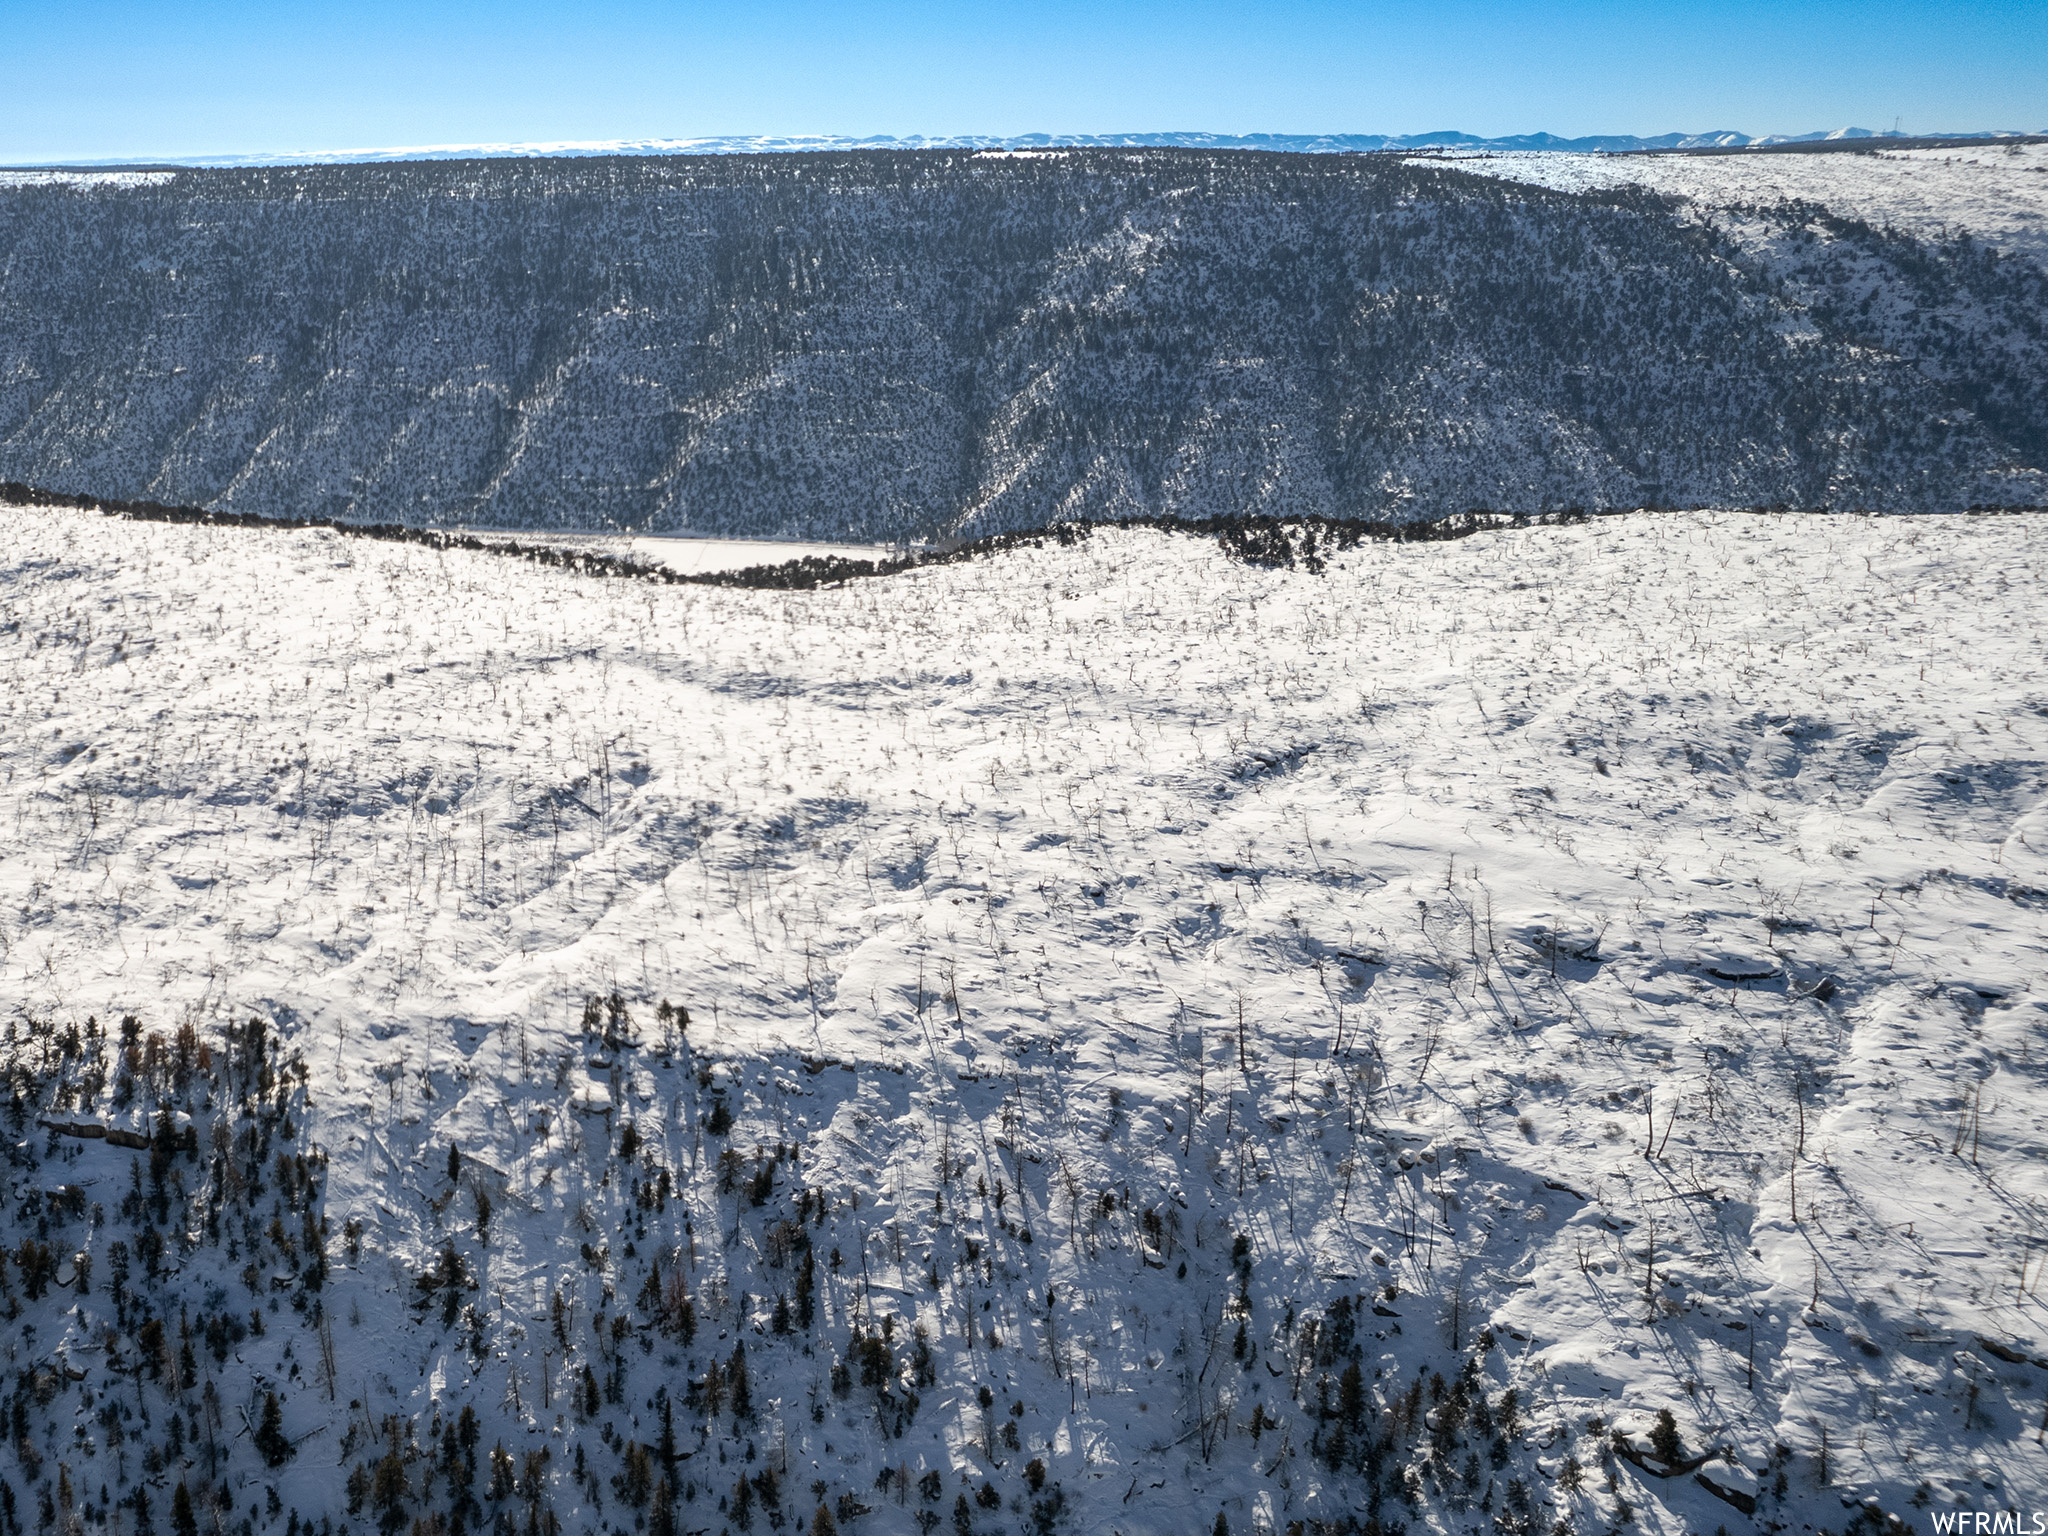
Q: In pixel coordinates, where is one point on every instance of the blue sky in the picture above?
(98, 78)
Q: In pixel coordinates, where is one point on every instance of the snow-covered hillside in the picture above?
(1995, 193)
(1079, 1041)
(873, 346)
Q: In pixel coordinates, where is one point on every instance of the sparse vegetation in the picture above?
(1036, 1071)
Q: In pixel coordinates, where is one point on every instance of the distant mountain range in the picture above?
(1294, 143)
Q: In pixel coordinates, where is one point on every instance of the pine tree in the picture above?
(1351, 1397)
(736, 1378)
(807, 1290)
(182, 1522)
(502, 1481)
(271, 1441)
(650, 1297)
(389, 1489)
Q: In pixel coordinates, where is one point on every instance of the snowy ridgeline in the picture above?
(875, 346)
(1159, 1036)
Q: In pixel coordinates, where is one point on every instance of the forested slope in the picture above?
(884, 345)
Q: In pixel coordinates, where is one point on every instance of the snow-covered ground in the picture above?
(79, 177)
(1996, 193)
(1604, 961)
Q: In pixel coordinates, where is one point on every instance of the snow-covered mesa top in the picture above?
(1998, 193)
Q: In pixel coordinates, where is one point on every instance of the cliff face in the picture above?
(887, 345)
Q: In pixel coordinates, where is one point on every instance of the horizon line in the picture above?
(716, 144)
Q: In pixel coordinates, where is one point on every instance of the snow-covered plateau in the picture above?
(1996, 193)
(1092, 1039)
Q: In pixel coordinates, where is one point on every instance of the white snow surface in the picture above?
(1457, 919)
(1998, 194)
(80, 178)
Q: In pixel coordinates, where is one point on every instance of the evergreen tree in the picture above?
(271, 1442)
(807, 1289)
(1351, 1397)
(736, 1379)
(650, 1297)
(389, 1489)
(1665, 1443)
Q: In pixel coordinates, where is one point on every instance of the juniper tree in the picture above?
(1665, 1443)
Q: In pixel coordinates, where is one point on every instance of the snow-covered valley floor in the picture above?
(1164, 1037)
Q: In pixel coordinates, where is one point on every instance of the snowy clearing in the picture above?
(1126, 989)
